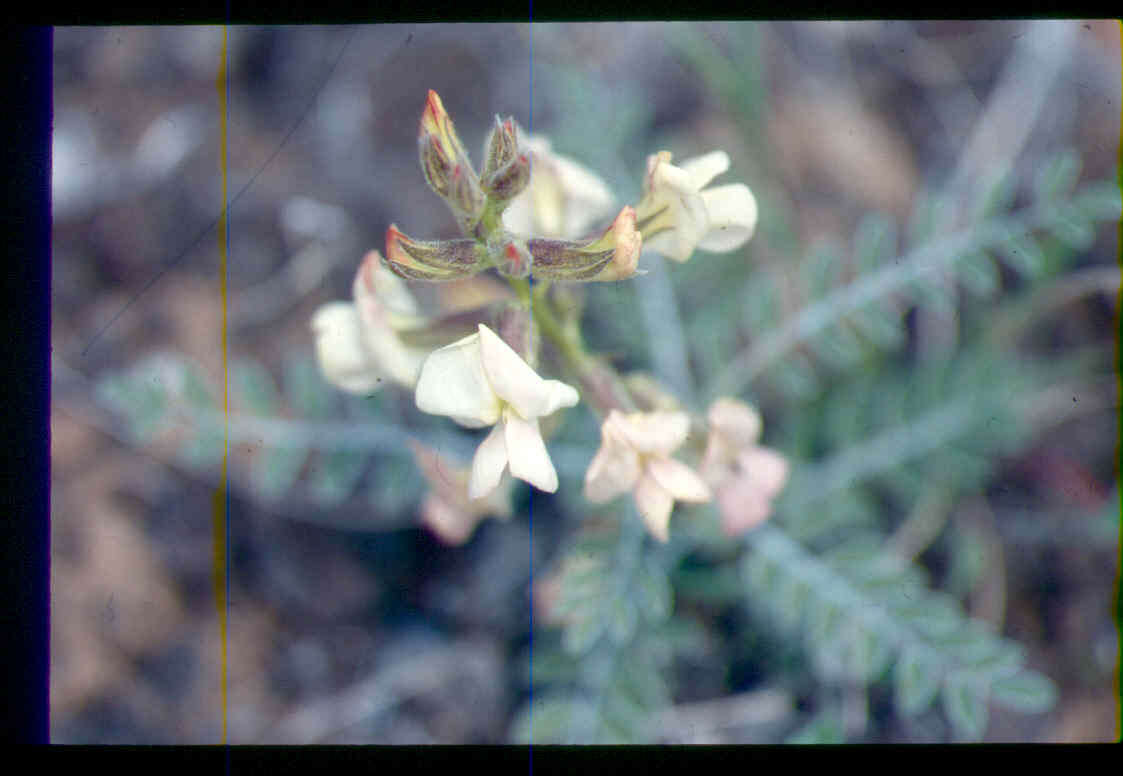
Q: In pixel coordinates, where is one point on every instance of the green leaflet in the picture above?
(824, 728)
(252, 387)
(275, 471)
(305, 388)
(965, 703)
(979, 274)
(1028, 692)
(916, 681)
(335, 475)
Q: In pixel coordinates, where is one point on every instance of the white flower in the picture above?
(677, 215)
(480, 381)
(358, 345)
(562, 199)
(746, 476)
(635, 455)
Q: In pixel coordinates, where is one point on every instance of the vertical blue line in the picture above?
(530, 508)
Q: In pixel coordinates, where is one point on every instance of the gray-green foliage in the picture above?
(893, 436)
(166, 398)
(864, 614)
(854, 308)
(605, 679)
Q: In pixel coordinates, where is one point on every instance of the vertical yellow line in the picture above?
(1119, 430)
(219, 498)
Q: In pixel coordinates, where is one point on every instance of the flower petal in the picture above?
(529, 460)
(678, 479)
(390, 290)
(736, 422)
(672, 213)
(488, 464)
(614, 469)
(742, 507)
(376, 289)
(655, 505)
(765, 468)
(732, 216)
(702, 169)
(651, 433)
(453, 383)
(588, 198)
(516, 383)
(563, 198)
(450, 524)
(339, 349)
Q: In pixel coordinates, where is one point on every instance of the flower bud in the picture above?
(512, 258)
(502, 147)
(508, 181)
(440, 147)
(446, 166)
(435, 164)
(465, 196)
(613, 256)
(432, 260)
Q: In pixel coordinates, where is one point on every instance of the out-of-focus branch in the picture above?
(382, 691)
(270, 299)
(1017, 100)
(716, 721)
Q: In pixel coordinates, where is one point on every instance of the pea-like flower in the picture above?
(358, 344)
(562, 199)
(677, 214)
(481, 381)
(635, 455)
(745, 476)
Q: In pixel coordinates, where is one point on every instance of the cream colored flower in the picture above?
(677, 214)
(480, 381)
(745, 476)
(563, 199)
(447, 511)
(358, 344)
(635, 455)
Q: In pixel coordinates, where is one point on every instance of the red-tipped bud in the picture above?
(445, 163)
(465, 196)
(502, 147)
(513, 259)
(435, 123)
(612, 256)
(435, 164)
(508, 181)
(432, 260)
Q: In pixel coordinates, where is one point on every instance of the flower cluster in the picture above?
(529, 211)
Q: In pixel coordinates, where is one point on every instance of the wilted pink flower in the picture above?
(447, 510)
(745, 476)
(635, 455)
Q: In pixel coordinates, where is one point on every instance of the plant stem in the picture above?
(602, 386)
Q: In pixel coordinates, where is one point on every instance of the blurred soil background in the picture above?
(352, 627)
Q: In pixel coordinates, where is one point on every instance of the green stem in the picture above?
(490, 221)
(521, 287)
(602, 386)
